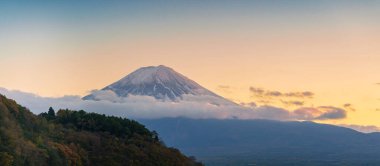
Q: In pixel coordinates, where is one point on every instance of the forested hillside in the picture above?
(78, 138)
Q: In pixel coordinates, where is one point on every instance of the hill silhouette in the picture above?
(78, 138)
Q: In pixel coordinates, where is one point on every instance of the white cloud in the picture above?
(191, 106)
(105, 95)
(148, 107)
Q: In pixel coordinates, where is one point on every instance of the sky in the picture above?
(246, 51)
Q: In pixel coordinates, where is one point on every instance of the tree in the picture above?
(78, 138)
(6, 159)
(51, 112)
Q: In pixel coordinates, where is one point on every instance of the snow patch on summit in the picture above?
(160, 82)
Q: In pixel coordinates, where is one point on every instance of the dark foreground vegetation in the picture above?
(78, 138)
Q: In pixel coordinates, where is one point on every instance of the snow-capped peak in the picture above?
(149, 74)
(160, 82)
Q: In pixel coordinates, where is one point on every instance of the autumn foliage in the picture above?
(77, 138)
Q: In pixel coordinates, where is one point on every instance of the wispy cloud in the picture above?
(293, 103)
(362, 128)
(284, 99)
(259, 92)
(330, 112)
(300, 94)
(320, 113)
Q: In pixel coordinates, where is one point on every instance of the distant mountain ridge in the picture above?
(267, 142)
(160, 82)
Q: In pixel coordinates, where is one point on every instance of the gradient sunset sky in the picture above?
(330, 48)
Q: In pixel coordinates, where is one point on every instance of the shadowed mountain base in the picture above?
(265, 142)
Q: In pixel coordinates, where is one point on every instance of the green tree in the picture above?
(5, 159)
(51, 112)
(70, 137)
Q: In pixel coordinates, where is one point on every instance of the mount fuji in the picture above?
(160, 82)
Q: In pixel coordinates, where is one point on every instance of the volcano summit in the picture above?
(160, 82)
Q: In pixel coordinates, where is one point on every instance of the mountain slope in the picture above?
(160, 82)
(78, 138)
(265, 142)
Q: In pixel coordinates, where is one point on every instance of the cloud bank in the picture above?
(190, 106)
(204, 107)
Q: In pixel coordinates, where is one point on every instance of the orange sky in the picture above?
(330, 49)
